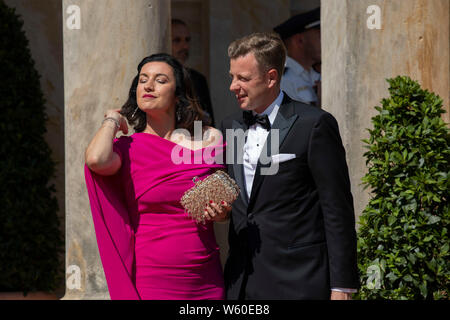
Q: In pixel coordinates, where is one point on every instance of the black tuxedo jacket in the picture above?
(294, 238)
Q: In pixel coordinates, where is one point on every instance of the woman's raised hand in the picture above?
(114, 114)
(100, 156)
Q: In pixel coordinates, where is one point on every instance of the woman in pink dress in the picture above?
(149, 246)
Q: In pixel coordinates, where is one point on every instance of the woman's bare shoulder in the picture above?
(212, 136)
(212, 131)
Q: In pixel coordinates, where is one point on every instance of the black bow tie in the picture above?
(250, 119)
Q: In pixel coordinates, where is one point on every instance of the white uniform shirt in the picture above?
(298, 83)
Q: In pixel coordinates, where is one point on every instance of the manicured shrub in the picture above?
(403, 240)
(30, 237)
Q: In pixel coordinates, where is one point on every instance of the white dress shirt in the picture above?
(256, 139)
(298, 83)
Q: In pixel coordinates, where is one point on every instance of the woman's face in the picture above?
(156, 88)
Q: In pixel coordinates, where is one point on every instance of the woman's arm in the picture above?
(99, 155)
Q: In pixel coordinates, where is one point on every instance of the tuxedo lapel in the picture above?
(285, 118)
(283, 123)
(238, 166)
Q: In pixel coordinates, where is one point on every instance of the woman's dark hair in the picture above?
(187, 109)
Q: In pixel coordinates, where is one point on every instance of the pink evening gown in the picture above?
(149, 247)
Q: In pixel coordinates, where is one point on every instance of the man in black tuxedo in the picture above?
(292, 231)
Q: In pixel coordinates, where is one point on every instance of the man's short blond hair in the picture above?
(268, 49)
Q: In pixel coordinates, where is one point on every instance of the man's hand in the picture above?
(336, 295)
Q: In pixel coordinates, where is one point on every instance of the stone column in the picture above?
(103, 43)
(413, 40)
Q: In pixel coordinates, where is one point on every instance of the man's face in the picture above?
(312, 44)
(249, 83)
(181, 39)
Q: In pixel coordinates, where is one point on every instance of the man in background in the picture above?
(181, 39)
(301, 36)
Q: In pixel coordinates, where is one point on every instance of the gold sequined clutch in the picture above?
(217, 187)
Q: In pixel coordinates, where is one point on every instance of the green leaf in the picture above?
(391, 220)
(391, 276)
(423, 289)
(433, 219)
(444, 249)
(405, 154)
(421, 162)
(408, 278)
(412, 258)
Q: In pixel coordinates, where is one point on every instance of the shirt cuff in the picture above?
(346, 290)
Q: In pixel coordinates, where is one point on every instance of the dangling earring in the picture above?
(134, 113)
(178, 114)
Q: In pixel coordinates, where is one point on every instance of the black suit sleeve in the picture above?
(326, 159)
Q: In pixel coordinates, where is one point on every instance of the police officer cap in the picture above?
(299, 23)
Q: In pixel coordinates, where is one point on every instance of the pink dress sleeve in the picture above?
(114, 232)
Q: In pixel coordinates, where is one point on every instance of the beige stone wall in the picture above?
(413, 40)
(100, 61)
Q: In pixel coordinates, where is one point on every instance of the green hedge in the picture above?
(403, 241)
(30, 237)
